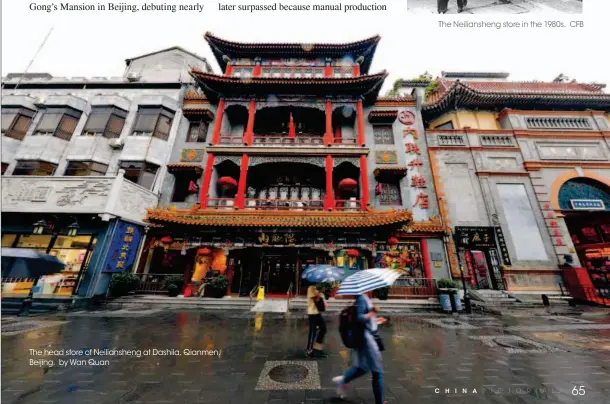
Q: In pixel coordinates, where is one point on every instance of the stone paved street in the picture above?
(258, 358)
(498, 7)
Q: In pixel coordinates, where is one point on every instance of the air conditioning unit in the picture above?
(133, 77)
(116, 144)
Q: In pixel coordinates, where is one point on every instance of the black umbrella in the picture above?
(28, 263)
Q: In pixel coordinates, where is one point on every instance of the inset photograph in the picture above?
(494, 6)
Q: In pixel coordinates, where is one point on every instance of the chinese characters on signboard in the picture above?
(277, 238)
(503, 249)
(123, 248)
(417, 179)
(475, 237)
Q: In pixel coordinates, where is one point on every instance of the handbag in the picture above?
(320, 304)
(379, 341)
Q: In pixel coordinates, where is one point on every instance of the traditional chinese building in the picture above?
(82, 160)
(522, 171)
(289, 158)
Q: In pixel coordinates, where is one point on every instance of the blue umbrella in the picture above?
(28, 263)
(367, 280)
(323, 274)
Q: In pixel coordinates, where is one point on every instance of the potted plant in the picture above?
(123, 283)
(382, 293)
(173, 284)
(217, 286)
(446, 289)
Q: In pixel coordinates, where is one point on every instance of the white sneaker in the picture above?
(341, 388)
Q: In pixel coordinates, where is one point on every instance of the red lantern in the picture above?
(348, 184)
(167, 240)
(204, 251)
(392, 241)
(353, 253)
(227, 182)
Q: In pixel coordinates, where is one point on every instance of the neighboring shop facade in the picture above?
(522, 170)
(83, 157)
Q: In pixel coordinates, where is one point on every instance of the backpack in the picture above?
(351, 330)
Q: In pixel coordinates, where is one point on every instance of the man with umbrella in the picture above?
(315, 305)
(366, 357)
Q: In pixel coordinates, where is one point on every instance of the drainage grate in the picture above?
(289, 375)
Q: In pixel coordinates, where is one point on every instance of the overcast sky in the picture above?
(97, 43)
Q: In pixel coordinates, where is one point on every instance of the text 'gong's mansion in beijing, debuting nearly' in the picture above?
(290, 156)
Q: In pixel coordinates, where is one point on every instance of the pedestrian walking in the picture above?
(443, 5)
(317, 326)
(365, 356)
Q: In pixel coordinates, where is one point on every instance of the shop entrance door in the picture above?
(485, 267)
(278, 271)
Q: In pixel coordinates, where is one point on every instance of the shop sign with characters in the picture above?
(475, 237)
(123, 248)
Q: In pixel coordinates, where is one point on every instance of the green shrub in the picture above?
(177, 280)
(447, 284)
(123, 283)
(217, 286)
(173, 290)
(382, 293)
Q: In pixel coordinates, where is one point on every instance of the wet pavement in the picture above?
(258, 358)
(499, 7)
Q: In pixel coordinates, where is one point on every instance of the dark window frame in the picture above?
(379, 137)
(18, 113)
(160, 112)
(385, 197)
(141, 167)
(445, 125)
(67, 116)
(4, 167)
(202, 131)
(90, 168)
(181, 187)
(34, 165)
(111, 113)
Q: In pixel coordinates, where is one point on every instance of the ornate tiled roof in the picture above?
(507, 94)
(395, 101)
(212, 84)
(395, 171)
(184, 167)
(433, 225)
(234, 218)
(365, 48)
(380, 116)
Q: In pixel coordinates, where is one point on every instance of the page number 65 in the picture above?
(578, 391)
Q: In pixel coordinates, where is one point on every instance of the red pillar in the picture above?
(328, 136)
(328, 70)
(218, 122)
(229, 69)
(249, 133)
(364, 182)
(258, 70)
(426, 259)
(207, 177)
(329, 199)
(240, 198)
(337, 138)
(360, 116)
(356, 71)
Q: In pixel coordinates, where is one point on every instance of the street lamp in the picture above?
(39, 227)
(73, 229)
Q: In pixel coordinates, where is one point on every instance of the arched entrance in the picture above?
(585, 203)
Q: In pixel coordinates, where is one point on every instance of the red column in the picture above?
(426, 259)
(218, 122)
(329, 199)
(337, 138)
(360, 116)
(258, 70)
(356, 71)
(249, 133)
(207, 177)
(328, 70)
(240, 198)
(328, 136)
(364, 182)
(229, 69)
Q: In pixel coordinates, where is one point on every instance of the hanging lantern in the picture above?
(167, 240)
(348, 184)
(204, 251)
(392, 241)
(227, 182)
(352, 252)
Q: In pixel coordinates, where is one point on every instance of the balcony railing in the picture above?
(152, 283)
(285, 140)
(231, 139)
(350, 205)
(221, 203)
(283, 204)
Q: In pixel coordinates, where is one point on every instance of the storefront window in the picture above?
(405, 256)
(73, 251)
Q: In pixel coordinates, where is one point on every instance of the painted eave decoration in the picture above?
(367, 86)
(235, 218)
(468, 94)
(177, 168)
(433, 225)
(365, 48)
(386, 117)
(383, 172)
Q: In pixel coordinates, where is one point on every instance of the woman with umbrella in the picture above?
(366, 357)
(315, 305)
